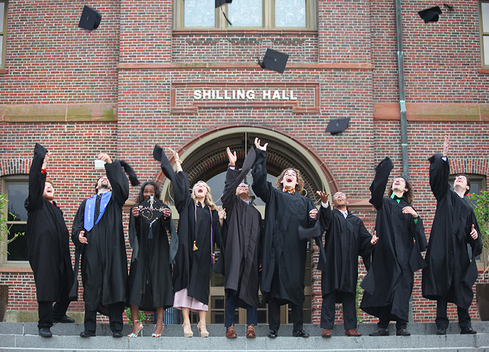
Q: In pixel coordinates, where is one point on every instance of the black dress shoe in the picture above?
(300, 333)
(403, 332)
(87, 333)
(272, 334)
(117, 333)
(380, 332)
(45, 332)
(64, 319)
(441, 331)
(468, 330)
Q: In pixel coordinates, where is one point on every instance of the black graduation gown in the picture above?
(397, 254)
(192, 269)
(345, 239)
(449, 262)
(284, 252)
(241, 256)
(104, 260)
(47, 237)
(149, 284)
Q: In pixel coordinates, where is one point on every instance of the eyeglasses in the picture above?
(339, 195)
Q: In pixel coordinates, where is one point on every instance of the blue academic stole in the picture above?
(90, 210)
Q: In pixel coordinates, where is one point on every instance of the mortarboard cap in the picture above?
(90, 19)
(337, 125)
(431, 14)
(274, 60)
(222, 2)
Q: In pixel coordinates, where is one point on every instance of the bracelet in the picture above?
(178, 161)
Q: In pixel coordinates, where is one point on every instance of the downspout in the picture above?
(402, 93)
(402, 105)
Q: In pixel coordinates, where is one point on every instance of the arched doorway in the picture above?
(206, 159)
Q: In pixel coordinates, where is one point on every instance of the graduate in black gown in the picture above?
(98, 236)
(150, 283)
(345, 239)
(452, 269)
(240, 261)
(47, 246)
(284, 252)
(397, 254)
(199, 232)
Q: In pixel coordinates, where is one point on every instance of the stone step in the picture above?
(23, 337)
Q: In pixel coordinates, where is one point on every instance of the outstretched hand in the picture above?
(324, 196)
(46, 160)
(232, 157)
(105, 157)
(258, 146)
(446, 145)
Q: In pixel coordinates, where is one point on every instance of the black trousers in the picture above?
(442, 317)
(47, 312)
(115, 317)
(385, 318)
(349, 310)
(274, 315)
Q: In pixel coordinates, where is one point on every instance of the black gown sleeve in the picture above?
(37, 179)
(377, 188)
(261, 187)
(439, 173)
(118, 181)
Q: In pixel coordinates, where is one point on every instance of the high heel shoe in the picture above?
(138, 332)
(188, 333)
(202, 330)
(158, 335)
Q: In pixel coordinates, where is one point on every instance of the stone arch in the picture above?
(205, 156)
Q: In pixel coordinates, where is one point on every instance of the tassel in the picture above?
(213, 258)
(195, 246)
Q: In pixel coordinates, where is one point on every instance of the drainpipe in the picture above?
(402, 104)
(402, 93)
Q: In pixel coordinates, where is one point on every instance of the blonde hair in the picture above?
(299, 187)
(208, 197)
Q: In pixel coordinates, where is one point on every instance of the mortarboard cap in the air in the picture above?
(336, 126)
(222, 2)
(90, 19)
(274, 60)
(431, 14)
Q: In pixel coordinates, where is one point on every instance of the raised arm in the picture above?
(377, 188)
(261, 187)
(37, 177)
(117, 178)
(440, 171)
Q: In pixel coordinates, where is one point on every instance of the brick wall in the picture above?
(135, 64)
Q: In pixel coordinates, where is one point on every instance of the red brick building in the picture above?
(175, 73)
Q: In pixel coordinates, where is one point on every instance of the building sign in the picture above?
(190, 97)
(242, 94)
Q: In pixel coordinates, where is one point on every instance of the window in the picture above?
(15, 188)
(3, 31)
(485, 32)
(246, 14)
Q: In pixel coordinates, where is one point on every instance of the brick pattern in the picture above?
(62, 64)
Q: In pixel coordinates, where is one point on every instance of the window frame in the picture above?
(3, 35)
(268, 16)
(483, 34)
(5, 182)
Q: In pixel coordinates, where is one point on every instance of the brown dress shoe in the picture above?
(231, 333)
(250, 332)
(352, 332)
(326, 333)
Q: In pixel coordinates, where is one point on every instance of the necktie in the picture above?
(97, 206)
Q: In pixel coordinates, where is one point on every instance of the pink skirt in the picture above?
(182, 300)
